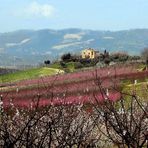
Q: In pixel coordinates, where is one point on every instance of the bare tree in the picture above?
(53, 126)
(124, 122)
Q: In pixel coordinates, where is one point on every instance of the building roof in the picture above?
(89, 49)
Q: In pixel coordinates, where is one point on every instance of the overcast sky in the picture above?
(85, 14)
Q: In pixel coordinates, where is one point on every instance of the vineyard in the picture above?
(72, 88)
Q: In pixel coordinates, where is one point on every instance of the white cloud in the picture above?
(40, 10)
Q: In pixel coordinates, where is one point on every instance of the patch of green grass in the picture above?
(130, 91)
(141, 67)
(56, 65)
(68, 66)
(140, 89)
(29, 74)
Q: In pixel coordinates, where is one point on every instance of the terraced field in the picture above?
(79, 87)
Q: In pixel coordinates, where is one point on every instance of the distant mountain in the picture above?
(30, 47)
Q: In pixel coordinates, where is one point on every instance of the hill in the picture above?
(32, 47)
(29, 74)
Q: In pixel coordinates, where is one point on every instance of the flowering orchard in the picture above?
(77, 88)
(78, 110)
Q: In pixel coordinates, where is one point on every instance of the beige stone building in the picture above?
(88, 53)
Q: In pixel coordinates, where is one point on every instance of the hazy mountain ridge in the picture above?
(29, 46)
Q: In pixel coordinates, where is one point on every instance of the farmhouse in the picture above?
(88, 53)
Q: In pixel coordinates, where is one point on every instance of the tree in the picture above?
(53, 126)
(145, 55)
(47, 62)
(119, 56)
(98, 124)
(66, 57)
(107, 61)
(124, 122)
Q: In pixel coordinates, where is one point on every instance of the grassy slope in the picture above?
(28, 74)
(140, 89)
(69, 67)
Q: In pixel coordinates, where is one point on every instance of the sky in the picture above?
(61, 14)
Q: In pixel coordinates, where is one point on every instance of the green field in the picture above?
(29, 74)
(68, 67)
(140, 89)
